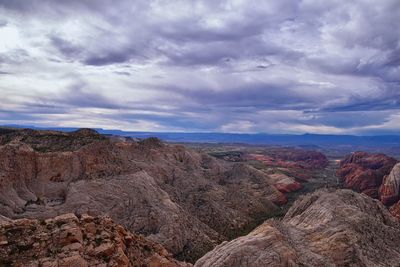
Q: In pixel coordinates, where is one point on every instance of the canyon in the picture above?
(149, 203)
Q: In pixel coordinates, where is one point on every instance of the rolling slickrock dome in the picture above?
(389, 190)
(325, 228)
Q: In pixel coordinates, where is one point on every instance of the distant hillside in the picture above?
(257, 139)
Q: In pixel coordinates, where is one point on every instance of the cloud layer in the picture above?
(283, 66)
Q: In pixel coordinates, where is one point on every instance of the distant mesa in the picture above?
(151, 142)
(85, 132)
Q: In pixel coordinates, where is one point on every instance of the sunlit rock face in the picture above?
(325, 228)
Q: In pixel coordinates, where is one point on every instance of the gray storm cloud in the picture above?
(247, 66)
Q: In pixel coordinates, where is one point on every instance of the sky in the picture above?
(278, 66)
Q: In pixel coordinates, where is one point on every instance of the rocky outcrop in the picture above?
(67, 240)
(325, 228)
(395, 210)
(289, 167)
(364, 172)
(291, 158)
(284, 183)
(306, 158)
(389, 190)
(187, 201)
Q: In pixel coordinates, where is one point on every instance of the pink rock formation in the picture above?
(389, 190)
(284, 183)
(364, 172)
(292, 158)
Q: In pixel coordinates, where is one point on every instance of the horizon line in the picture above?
(72, 128)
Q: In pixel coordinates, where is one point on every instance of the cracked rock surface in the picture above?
(325, 228)
(67, 240)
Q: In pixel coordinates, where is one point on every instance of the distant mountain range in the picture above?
(255, 139)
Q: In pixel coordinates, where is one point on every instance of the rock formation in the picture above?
(395, 210)
(187, 201)
(285, 183)
(288, 167)
(364, 172)
(291, 158)
(73, 186)
(305, 158)
(389, 190)
(325, 228)
(67, 240)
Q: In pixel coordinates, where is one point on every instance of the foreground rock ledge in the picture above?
(67, 240)
(325, 228)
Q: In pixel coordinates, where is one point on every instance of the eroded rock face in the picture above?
(389, 190)
(364, 172)
(306, 158)
(285, 183)
(395, 210)
(292, 158)
(187, 201)
(67, 240)
(289, 167)
(325, 228)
